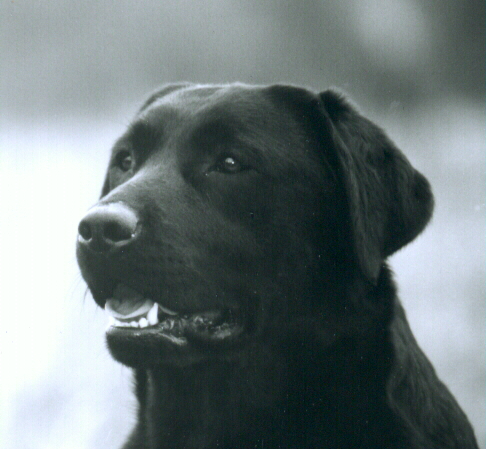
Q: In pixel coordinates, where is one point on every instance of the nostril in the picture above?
(117, 231)
(84, 230)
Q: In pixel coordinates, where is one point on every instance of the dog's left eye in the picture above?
(230, 165)
(124, 160)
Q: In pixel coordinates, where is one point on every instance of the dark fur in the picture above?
(295, 244)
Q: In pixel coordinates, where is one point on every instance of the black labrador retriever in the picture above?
(239, 248)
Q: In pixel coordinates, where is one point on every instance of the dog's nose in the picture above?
(108, 226)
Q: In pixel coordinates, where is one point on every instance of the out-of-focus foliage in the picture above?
(73, 73)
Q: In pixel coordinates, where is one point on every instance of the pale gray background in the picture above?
(73, 72)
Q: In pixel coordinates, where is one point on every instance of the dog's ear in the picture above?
(389, 202)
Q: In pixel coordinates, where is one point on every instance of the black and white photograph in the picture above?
(236, 224)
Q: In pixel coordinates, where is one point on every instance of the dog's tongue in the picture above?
(127, 303)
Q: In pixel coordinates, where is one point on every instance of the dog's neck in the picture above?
(220, 404)
(215, 403)
(321, 387)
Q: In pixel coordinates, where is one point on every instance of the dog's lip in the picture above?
(131, 314)
(181, 329)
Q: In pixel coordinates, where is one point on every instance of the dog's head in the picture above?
(236, 214)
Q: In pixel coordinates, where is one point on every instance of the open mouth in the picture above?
(130, 314)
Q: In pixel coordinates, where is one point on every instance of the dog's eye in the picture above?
(124, 160)
(230, 165)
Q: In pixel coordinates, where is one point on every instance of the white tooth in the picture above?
(120, 323)
(143, 322)
(111, 322)
(152, 315)
(167, 311)
(134, 324)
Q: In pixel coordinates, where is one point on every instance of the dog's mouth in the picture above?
(130, 314)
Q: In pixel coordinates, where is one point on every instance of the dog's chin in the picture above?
(172, 338)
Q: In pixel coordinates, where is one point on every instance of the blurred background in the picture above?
(73, 74)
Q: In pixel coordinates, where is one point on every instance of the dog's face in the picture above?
(232, 215)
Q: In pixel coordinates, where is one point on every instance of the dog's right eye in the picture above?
(124, 160)
(230, 165)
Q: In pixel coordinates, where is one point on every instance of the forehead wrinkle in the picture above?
(268, 134)
(141, 128)
(237, 118)
(212, 135)
(185, 100)
(143, 136)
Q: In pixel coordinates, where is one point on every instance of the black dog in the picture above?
(239, 247)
